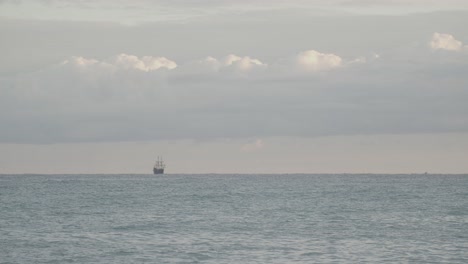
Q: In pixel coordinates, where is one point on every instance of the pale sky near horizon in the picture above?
(337, 86)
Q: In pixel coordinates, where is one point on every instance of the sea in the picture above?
(247, 218)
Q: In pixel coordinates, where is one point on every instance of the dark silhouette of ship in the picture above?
(159, 166)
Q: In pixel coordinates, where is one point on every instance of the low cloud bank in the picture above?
(305, 62)
(308, 94)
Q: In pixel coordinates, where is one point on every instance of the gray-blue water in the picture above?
(234, 219)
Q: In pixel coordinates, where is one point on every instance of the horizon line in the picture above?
(243, 173)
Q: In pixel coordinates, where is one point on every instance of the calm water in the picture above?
(234, 219)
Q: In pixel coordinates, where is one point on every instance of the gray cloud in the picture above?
(245, 73)
(30, 45)
(447, 3)
(128, 12)
(217, 3)
(128, 98)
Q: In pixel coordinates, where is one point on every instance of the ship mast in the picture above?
(159, 163)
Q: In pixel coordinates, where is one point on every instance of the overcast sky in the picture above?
(234, 86)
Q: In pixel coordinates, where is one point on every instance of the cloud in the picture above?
(307, 62)
(441, 41)
(242, 64)
(122, 62)
(80, 61)
(127, 97)
(312, 60)
(454, 3)
(146, 63)
(230, 64)
(304, 63)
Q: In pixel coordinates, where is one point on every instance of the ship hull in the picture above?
(158, 171)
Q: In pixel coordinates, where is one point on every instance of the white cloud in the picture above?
(230, 64)
(242, 64)
(441, 41)
(306, 62)
(312, 60)
(82, 64)
(124, 62)
(80, 61)
(310, 63)
(146, 63)
(210, 62)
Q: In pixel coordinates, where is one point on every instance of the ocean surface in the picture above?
(233, 219)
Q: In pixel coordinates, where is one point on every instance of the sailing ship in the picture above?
(159, 166)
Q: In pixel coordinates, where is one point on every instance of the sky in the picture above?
(216, 86)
